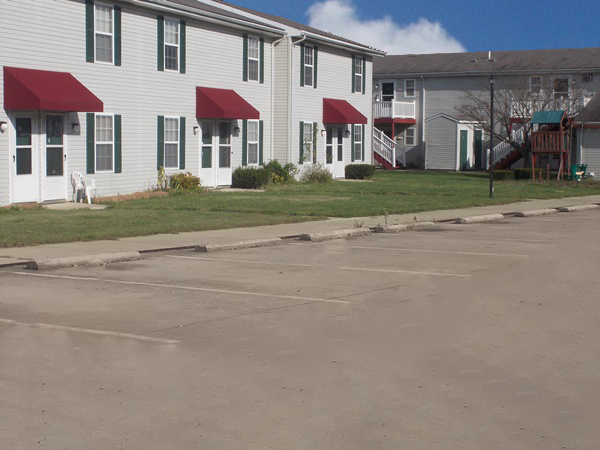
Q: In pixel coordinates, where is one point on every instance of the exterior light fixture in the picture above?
(196, 130)
(347, 132)
(3, 127)
(76, 128)
(236, 131)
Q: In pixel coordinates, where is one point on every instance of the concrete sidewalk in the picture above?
(166, 241)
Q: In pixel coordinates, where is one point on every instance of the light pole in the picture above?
(492, 81)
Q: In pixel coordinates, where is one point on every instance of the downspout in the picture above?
(291, 94)
(273, 45)
(423, 143)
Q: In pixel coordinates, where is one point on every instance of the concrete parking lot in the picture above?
(462, 337)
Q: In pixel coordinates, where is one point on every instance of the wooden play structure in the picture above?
(551, 136)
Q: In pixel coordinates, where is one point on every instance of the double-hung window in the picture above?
(358, 142)
(103, 33)
(561, 88)
(307, 137)
(535, 85)
(253, 58)
(171, 44)
(409, 88)
(309, 65)
(409, 137)
(358, 74)
(104, 142)
(253, 142)
(171, 142)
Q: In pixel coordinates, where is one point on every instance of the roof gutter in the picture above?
(485, 73)
(340, 44)
(174, 8)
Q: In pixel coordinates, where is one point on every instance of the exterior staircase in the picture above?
(387, 153)
(505, 155)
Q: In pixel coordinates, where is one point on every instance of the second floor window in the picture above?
(561, 88)
(253, 58)
(103, 33)
(358, 74)
(309, 66)
(171, 44)
(535, 85)
(409, 88)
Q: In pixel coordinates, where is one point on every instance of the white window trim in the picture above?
(380, 92)
(312, 66)
(257, 142)
(360, 142)
(414, 88)
(531, 84)
(112, 35)
(569, 82)
(176, 167)
(96, 142)
(414, 140)
(358, 63)
(304, 141)
(172, 45)
(589, 76)
(253, 59)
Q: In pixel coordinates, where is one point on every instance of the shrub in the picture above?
(501, 175)
(359, 171)
(184, 182)
(279, 174)
(250, 177)
(317, 173)
(523, 174)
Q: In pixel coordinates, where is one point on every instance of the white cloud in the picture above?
(341, 18)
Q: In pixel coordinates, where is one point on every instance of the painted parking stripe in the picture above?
(536, 241)
(90, 331)
(276, 263)
(186, 288)
(438, 251)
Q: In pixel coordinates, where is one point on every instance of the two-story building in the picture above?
(418, 99)
(116, 89)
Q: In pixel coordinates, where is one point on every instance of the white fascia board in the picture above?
(486, 73)
(174, 8)
(341, 44)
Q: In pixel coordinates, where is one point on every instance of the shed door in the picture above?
(464, 143)
(479, 149)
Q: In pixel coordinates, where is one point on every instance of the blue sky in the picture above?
(428, 26)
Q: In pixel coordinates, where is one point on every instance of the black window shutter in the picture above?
(315, 65)
(182, 143)
(364, 77)
(160, 142)
(353, 74)
(363, 143)
(160, 43)
(245, 56)
(301, 159)
(89, 31)
(182, 40)
(262, 61)
(260, 142)
(314, 142)
(90, 142)
(244, 142)
(118, 146)
(117, 19)
(302, 65)
(353, 142)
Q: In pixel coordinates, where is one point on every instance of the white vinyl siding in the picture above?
(253, 58)
(309, 65)
(253, 140)
(171, 44)
(104, 142)
(171, 142)
(103, 33)
(358, 143)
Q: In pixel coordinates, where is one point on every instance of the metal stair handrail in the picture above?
(389, 150)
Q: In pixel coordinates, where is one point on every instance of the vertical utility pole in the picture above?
(492, 81)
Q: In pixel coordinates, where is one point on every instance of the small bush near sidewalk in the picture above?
(317, 173)
(250, 177)
(279, 174)
(501, 175)
(359, 171)
(184, 182)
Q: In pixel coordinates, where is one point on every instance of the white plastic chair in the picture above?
(80, 184)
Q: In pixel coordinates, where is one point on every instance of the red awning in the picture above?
(214, 103)
(341, 112)
(41, 90)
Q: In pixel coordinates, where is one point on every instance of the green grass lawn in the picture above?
(388, 193)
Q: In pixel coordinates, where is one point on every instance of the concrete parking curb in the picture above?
(403, 227)
(87, 260)
(338, 234)
(575, 208)
(536, 212)
(480, 219)
(238, 245)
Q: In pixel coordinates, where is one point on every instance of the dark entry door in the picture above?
(464, 137)
(479, 149)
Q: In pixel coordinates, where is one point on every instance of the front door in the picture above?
(24, 159)
(464, 140)
(330, 149)
(334, 150)
(224, 163)
(388, 89)
(207, 163)
(340, 168)
(54, 180)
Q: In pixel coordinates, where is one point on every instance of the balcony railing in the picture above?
(394, 110)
